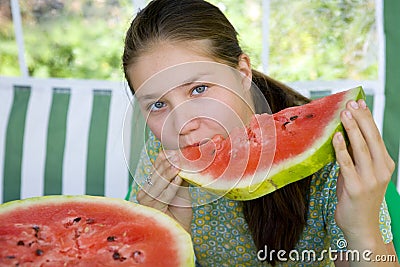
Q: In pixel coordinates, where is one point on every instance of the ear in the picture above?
(244, 66)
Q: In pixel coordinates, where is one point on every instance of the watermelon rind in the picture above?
(182, 239)
(286, 172)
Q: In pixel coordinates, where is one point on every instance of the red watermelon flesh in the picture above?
(89, 231)
(273, 151)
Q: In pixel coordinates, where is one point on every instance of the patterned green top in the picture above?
(220, 233)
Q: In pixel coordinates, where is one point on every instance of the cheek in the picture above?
(240, 113)
(162, 132)
(155, 126)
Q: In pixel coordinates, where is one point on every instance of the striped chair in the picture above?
(62, 136)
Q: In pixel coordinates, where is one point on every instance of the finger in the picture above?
(347, 169)
(373, 138)
(161, 163)
(169, 194)
(161, 179)
(182, 198)
(157, 180)
(360, 150)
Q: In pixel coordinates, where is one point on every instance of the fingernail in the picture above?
(176, 180)
(348, 114)
(362, 104)
(339, 136)
(354, 104)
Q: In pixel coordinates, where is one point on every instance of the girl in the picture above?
(172, 61)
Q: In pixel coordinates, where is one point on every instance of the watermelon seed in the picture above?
(286, 123)
(138, 256)
(111, 238)
(89, 220)
(10, 257)
(20, 243)
(36, 228)
(309, 116)
(116, 255)
(77, 219)
(39, 252)
(293, 118)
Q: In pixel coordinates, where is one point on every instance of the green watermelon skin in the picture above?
(324, 155)
(283, 169)
(90, 231)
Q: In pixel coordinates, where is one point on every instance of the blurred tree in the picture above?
(68, 39)
(314, 39)
(8, 46)
(323, 39)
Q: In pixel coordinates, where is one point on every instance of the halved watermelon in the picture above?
(273, 151)
(90, 231)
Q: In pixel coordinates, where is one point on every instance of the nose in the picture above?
(185, 117)
(187, 127)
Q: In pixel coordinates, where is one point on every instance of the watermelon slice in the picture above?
(273, 151)
(90, 231)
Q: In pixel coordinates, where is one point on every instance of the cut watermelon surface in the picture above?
(90, 231)
(273, 151)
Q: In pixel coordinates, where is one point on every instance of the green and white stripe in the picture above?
(62, 137)
(6, 100)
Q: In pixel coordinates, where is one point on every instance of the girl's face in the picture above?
(186, 97)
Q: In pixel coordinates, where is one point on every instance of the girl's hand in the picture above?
(166, 191)
(365, 171)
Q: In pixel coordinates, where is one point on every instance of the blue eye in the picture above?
(156, 106)
(199, 89)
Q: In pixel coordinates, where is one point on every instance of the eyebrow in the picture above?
(186, 82)
(147, 97)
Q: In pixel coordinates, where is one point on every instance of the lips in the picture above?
(199, 143)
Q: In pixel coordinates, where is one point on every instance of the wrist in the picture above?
(368, 241)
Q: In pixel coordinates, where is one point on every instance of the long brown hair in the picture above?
(277, 219)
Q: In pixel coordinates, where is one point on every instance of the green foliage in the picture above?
(245, 16)
(8, 51)
(321, 39)
(75, 49)
(76, 39)
(313, 39)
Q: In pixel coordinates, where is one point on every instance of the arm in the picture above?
(365, 171)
